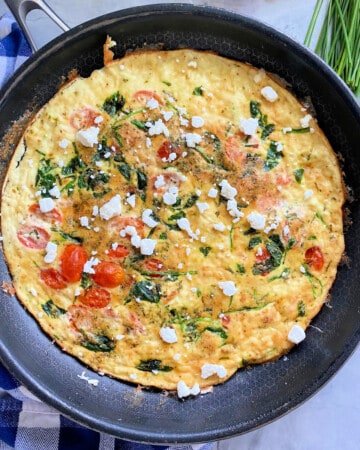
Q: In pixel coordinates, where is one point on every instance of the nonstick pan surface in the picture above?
(254, 396)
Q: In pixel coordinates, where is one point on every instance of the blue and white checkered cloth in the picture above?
(26, 423)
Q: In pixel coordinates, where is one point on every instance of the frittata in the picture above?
(172, 218)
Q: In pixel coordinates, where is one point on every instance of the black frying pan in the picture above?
(253, 396)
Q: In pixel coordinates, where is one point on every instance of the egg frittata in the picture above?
(172, 218)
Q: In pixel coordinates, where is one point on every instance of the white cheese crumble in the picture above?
(183, 389)
(287, 130)
(208, 370)
(228, 287)
(84, 221)
(305, 121)
(296, 334)
(192, 139)
(88, 266)
(233, 210)
(167, 115)
(91, 381)
(227, 190)
(256, 220)
(111, 209)
(51, 252)
(192, 64)
(157, 128)
(197, 122)
(88, 137)
(98, 119)
(308, 194)
(202, 206)
(46, 204)
(131, 200)
(184, 225)
(249, 126)
(170, 197)
(159, 182)
(147, 246)
(219, 226)
(147, 218)
(168, 335)
(64, 143)
(269, 94)
(152, 104)
(212, 193)
(55, 192)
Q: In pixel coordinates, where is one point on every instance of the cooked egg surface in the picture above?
(172, 218)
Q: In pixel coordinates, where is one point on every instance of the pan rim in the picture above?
(215, 14)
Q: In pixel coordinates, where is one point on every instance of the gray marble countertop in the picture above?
(330, 419)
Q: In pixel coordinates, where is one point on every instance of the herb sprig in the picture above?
(339, 39)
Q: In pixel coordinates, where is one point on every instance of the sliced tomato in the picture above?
(153, 265)
(121, 251)
(166, 149)
(234, 150)
(283, 179)
(263, 255)
(72, 262)
(136, 323)
(108, 274)
(225, 320)
(121, 223)
(143, 96)
(53, 216)
(81, 317)
(33, 237)
(83, 118)
(95, 297)
(53, 278)
(314, 258)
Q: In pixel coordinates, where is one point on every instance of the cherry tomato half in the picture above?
(314, 258)
(263, 255)
(95, 297)
(33, 237)
(108, 274)
(72, 262)
(121, 251)
(166, 149)
(83, 118)
(153, 265)
(143, 96)
(53, 278)
(52, 216)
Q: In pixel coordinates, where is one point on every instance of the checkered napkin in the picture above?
(25, 422)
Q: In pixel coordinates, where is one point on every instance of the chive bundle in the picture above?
(339, 39)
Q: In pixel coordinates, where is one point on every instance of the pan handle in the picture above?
(20, 9)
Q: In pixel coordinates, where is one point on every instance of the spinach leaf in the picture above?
(52, 310)
(45, 177)
(146, 290)
(68, 236)
(141, 180)
(113, 104)
(255, 112)
(298, 174)
(125, 170)
(254, 241)
(150, 365)
(205, 250)
(97, 342)
(217, 330)
(272, 157)
(198, 91)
